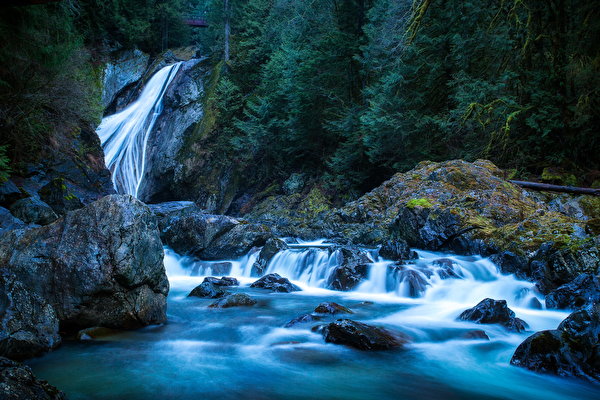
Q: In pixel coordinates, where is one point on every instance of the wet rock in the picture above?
(490, 311)
(361, 336)
(397, 250)
(303, 319)
(446, 269)
(583, 290)
(58, 196)
(96, 332)
(8, 221)
(415, 281)
(223, 281)
(207, 290)
(571, 350)
(475, 335)
(29, 324)
(170, 207)
(126, 68)
(220, 268)
(352, 269)
(33, 211)
(98, 266)
(234, 300)
(17, 382)
(237, 242)
(535, 304)
(332, 308)
(275, 283)
(271, 247)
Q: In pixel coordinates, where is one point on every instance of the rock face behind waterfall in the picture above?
(98, 266)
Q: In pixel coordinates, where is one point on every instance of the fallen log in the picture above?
(546, 187)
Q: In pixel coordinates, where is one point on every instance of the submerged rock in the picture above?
(223, 281)
(475, 334)
(415, 282)
(361, 336)
(446, 268)
(302, 319)
(207, 290)
(275, 283)
(332, 308)
(234, 300)
(271, 247)
(571, 350)
(351, 270)
(583, 290)
(490, 311)
(17, 382)
(33, 211)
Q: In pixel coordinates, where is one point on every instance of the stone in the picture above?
(272, 246)
(234, 300)
(223, 281)
(9, 193)
(361, 336)
(8, 221)
(490, 311)
(572, 350)
(96, 332)
(445, 268)
(33, 211)
(169, 207)
(275, 283)
(58, 195)
(237, 242)
(126, 68)
(351, 270)
(475, 335)
(207, 290)
(17, 382)
(583, 290)
(397, 250)
(303, 319)
(415, 281)
(332, 308)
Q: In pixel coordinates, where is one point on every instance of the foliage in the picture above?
(4, 165)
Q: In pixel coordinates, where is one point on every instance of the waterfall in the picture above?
(124, 135)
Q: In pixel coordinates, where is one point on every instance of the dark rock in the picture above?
(490, 311)
(535, 304)
(9, 193)
(8, 221)
(275, 283)
(169, 207)
(234, 300)
(29, 324)
(583, 290)
(207, 267)
(332, 308)
(98, 266)
(445, 268)
(33, 211)
(271, 247)
(237, 242)
(475, 334)
(96, 332)
(302, 319)
(511, 263)
(207, 290)
(571, 350)
(361, 336)
(58, 196)
(223, 281)
(17, 382)
(352, 269)
(414, 280)
(397, 250)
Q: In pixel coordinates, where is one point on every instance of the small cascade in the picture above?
(124, 135)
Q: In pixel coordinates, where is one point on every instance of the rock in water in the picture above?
(208, 290)
(275, 283)
(397, 250)
(234, 300)
(332, 308)
(98, 266)
(352, 269)
(223, 281)
(271, 247)
(361, 336)
(490, 311)
(583, 290)
(571, 350)
(33, 211)
(17, 382)
(302, 319)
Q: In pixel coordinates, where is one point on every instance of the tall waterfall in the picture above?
(124, 135)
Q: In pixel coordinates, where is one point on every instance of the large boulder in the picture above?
(125, 68)
(9, 221)
(57, 194)
(490, 311)
(583, 290)
(223, 281)
(571, 350)
(275, 283)
(98, 266)
(17, 382)
(397, 250)
(361, 336)
(234, 300)
(351, 270)
(33, 211)
(237, 242)
(272, 246)
(9, 193)
(207, 290)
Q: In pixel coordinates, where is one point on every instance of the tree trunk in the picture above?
(227, 29)
(557, 188)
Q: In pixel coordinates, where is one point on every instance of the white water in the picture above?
(124, 135)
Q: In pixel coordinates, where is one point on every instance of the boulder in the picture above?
(275, 283)
(332, 308)
(9, 193)
(414, 282)
(361, 336)
(8, 221)
(33, 211)
(98, 266)
(351, 270)
(583, 290)
(397, 250)
(170, 207)
(571, 350)
(237, 242)
(490, 311)
(223, 281)
(58, 195)
(234, 300)
(207, 290)
(445, 268)
(17, 382)
(303, 319)
(29, 324)
(271, 247)
(95, 332)
(475, 335)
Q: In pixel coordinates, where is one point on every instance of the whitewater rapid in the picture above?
(124, 135)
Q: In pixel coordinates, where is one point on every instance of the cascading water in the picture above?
(124, 135)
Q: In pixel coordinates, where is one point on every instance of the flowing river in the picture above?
(246, 353)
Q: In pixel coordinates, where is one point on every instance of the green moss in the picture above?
(555, 175)
(420, 202)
